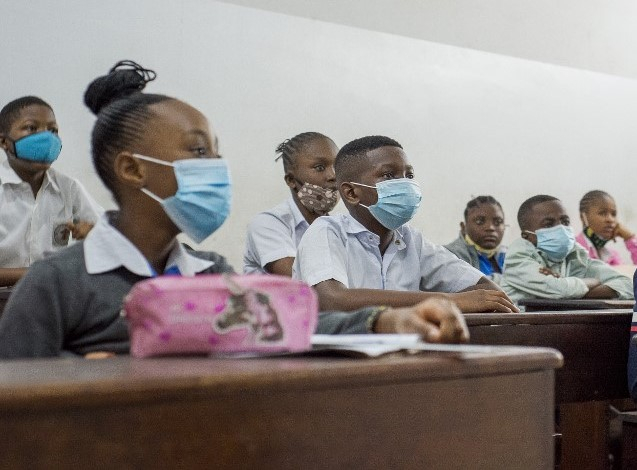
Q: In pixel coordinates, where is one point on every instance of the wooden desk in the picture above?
(552, 305)
(594, 345)
(428, 411)
(595, 349)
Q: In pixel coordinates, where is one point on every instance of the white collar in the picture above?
(8, 175)
(296, 213)
(106, 248)
(354, 227)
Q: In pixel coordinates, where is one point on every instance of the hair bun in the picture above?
(124, 78)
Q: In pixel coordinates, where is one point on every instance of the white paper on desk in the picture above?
(374, 345)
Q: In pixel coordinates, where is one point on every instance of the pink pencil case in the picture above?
(220, 313)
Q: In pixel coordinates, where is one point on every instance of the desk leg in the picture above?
(584, 428)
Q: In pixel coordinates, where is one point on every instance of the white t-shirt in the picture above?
(273, 235)
(28, 223)
(339, 247)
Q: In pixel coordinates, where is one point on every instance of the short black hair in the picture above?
(349, 158)
(122, 109)
(11, 111)
(290, 148)
(476, 201)
(591, 197)
(528, 205)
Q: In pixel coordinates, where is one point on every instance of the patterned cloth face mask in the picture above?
(202, 201)
(317, 199)
(398, 201)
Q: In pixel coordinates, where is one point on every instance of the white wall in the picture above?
(472, 122)
(598, 35)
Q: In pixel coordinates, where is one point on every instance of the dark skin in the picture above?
(382, 164)
(176, 131)
(30, 120)
(601, 217)
(550, 214)
(313, 164)
(485, 226)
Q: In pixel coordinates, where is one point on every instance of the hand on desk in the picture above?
(483, 300)
(436, 320)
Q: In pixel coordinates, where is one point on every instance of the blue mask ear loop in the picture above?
(366, 186)
(152, 160)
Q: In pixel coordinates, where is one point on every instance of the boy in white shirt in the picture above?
(369, 256)
(39, 207)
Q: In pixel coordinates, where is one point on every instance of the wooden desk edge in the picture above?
(126, 380)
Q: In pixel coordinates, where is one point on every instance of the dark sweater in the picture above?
(58, 308)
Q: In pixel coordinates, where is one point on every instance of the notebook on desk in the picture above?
(537, 305)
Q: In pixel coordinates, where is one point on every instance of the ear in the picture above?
(349, 193)
(583, 218)
(290, 180)
(129, 171)
(4, 143)
(463, 229)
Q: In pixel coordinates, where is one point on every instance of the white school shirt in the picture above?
(273, 235)
(106, 248)
(28, 223)
(339, 247)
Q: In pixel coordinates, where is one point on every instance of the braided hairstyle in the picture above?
(476, 201)
(290, 148)
(122, 110)
(11, 111)
(590, 198)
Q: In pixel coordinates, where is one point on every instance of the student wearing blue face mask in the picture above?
(39, 206)
(547, 263)
(371, 256)
(159, 158)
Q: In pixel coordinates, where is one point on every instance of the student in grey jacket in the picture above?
(479, 242)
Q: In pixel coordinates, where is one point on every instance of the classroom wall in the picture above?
(595, 35)
(471, 122)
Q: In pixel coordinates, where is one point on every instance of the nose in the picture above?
(330, 174)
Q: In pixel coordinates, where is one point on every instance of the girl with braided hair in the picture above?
(598, 213)
(273, 235)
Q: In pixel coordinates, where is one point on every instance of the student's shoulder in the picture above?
(66, 263)
(281, 214)
(220, 263)
(520, 249)
(457, 246)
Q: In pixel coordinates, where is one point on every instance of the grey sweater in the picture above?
(58, 308)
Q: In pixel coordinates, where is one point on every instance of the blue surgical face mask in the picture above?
(202, 201)
(556, 242)
(398, 201)
(41, 147)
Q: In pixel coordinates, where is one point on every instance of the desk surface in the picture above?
(594, 345)
(396, 411)
(532, 305)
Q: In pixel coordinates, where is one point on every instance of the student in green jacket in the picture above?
(547, 263)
